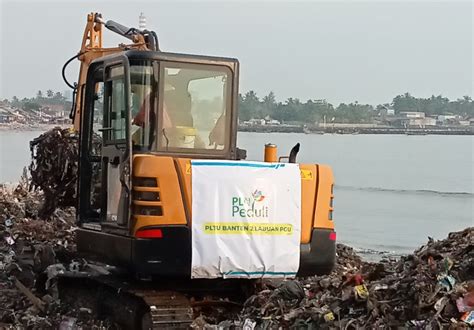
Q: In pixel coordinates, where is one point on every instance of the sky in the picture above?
(341, 51)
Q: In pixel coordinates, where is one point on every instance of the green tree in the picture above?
(354, 113)
(463, 106)
(15, 101)
(268, 105)
(49, 93)
(314, 111)
(249, 106)
(288, 111)
(58, 97)
(405, 102)
(31, 105)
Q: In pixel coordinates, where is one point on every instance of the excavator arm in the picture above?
(92, 48)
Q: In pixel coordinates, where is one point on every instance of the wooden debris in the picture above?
(35, 300)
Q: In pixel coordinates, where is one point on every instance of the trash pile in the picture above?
(433, 287)
(54, 166)
(28, 246)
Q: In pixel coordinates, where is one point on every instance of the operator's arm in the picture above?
(139, 119)
(217, 135)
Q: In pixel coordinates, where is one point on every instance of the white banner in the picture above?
(246, 219)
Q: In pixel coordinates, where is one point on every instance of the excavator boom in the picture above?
(92, 48)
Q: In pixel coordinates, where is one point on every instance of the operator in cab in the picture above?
(177, 128)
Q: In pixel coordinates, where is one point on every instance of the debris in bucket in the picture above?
(433, 287)
(54, 165)
(53, 168)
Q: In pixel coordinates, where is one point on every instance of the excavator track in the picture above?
(160, 304)
(168, 310)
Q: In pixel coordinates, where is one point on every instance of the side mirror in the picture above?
(241, 154)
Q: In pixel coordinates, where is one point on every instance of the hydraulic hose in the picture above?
(74, 87)
(64, 70)
(157, 45)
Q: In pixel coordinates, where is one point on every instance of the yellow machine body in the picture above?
(173, 196)
(146, 107)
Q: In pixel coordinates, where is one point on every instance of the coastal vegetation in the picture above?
(37, 102)
(293, 110)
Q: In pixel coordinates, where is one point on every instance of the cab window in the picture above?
(144, 85)
(195, 108)
(115, 105)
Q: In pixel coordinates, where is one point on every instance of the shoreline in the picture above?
(29, 128)
(289, 129)
(469, 130)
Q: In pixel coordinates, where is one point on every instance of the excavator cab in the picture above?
(145, 115)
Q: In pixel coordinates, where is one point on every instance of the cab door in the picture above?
(91, 199)
(116, 147)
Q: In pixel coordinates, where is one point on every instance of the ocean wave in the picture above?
(409, 191)
(376, 255)
(373, 251)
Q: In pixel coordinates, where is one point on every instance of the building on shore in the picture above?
(452, 120)
(54, 110)
(412, 114)
(261, 122)
(348, 125)
(407, 119)
(6, 116)
(418, 122)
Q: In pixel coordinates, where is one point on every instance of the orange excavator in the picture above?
(153, 112)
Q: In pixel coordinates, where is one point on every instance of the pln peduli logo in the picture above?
(250, 207)
(258, 196)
